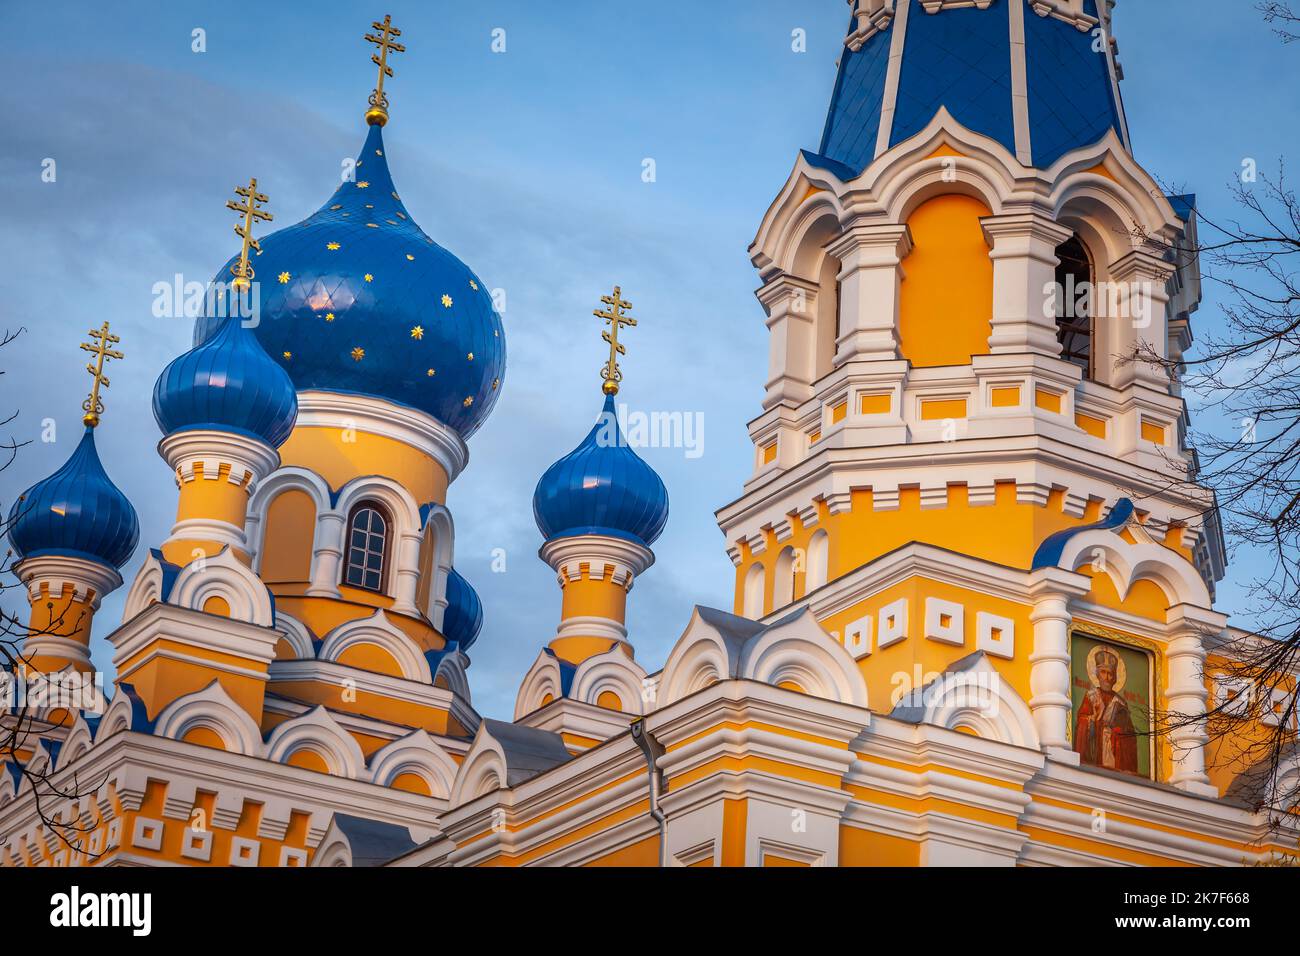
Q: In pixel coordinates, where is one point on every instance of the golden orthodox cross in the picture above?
(377, 115)
(613, 314)
(103, 351)
(242, 269)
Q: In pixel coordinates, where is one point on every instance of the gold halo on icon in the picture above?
(1121, 672)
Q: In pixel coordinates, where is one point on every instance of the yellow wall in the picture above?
(339, 456)
(946, 297)
(287, 544)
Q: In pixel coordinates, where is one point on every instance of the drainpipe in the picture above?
(653, 750)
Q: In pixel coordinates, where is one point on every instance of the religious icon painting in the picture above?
(1111, 693)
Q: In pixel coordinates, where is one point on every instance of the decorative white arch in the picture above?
(117, 717)
(275, 484)
(79, 740)
(378, 630)
(978, 699)
(1127, 564)
(403, 579)
(211, 708)
(542, 680)
(452, 670)
(321, 734)
(416, 753)
(146, 588)
(613, 672)
(798, 650)
(482, 771)
(783, 579)
(296, 634)
(223, 575)
(701, 656)
(439, 523)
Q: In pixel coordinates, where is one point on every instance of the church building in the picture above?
(973, 578)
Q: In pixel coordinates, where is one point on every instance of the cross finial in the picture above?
(377, 115)
(243, 270)
(102, 350)
(613, 314)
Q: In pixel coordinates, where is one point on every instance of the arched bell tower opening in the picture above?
(1074, 306)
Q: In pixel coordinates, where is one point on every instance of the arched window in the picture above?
(783, 587)
(367, 547)
(753, 596)
(815, 566)
(1074, 308)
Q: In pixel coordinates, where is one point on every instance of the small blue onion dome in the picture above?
(602, 487)
(357, 299)
(77, 512)
(228, 383)
(463, 617)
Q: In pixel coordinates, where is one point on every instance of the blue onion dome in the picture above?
(463, 617)
(357, 299)
(228, 383)
(602, 487)
(77, 512)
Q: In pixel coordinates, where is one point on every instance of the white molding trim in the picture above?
(424, 433)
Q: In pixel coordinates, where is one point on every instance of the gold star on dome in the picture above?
(329, 316)
(284, 278)
(337, 205)
(446, 301)
(473, 285)
(358, 354)
(495, 383)
(331, 246)
(417, 332)
(363, 185)
(469, 400)
(431, 373)
(287, 355)
(470, 356)
(410, 258)
(368, 277)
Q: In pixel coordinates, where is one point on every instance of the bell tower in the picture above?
(955, 284)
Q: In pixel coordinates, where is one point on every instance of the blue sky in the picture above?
(527, 164)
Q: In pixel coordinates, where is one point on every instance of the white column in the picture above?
(406, 578)
(1024, 281)
(791, 306)
(327, 555)
(871, 257)
(1049, 674)
(1136, 306)
(1186, 694)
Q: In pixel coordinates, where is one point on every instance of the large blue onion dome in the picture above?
(228, 383)
(463, 617)
(76, 512)
(602, 487)
(358, 299)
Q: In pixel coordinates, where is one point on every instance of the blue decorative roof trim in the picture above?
(391, 336)
(1049, 552)
(76, 512)
(602, 487)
